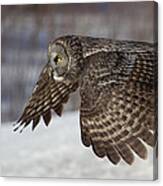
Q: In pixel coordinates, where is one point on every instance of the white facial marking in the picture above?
(59, 79)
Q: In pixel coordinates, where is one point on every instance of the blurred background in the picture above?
(25, 33)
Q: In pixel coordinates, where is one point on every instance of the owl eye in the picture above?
(57, 59)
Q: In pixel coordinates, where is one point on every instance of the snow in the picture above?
(57, 151)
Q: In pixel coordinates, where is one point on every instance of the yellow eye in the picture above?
(57, 59)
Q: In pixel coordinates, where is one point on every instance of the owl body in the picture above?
(117, 81)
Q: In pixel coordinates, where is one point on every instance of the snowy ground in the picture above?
(57, 151)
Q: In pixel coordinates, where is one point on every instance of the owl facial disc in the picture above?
(58, 59)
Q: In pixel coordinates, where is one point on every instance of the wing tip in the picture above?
(17, 127)
(47, 118)
(59, 110)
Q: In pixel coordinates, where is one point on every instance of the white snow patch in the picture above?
(57, 151)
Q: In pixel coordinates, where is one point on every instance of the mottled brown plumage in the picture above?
(118, 89)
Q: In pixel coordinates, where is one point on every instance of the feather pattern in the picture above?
(118, 107)
(47, 95)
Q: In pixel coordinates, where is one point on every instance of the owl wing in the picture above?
(47, 95)
(117, 114)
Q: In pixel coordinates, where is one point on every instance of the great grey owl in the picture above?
(117, 81)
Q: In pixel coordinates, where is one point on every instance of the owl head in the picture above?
(65, 57)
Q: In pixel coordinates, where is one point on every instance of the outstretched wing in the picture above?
(117, 114)
(47, 95)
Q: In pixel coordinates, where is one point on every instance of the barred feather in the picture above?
(47, 95)
(118, 105)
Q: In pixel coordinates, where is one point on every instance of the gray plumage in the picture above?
(117, 81)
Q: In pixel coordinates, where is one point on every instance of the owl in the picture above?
(117, 81)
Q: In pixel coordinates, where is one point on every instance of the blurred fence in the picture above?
(27, 29)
